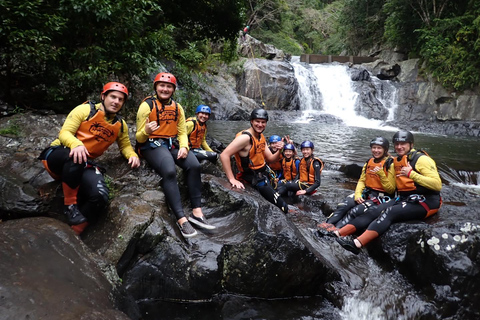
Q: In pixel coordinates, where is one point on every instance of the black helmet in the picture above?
(259, 113)
(380, 141)
(402, 136)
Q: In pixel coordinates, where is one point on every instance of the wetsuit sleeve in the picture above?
(142, 115)
(205, 145)
(426, 174)
(388, 181)
(124, 144)
(297, 164)
(361, 183)
(182, 130)
(189, 125)
(66, 137)
(317, 168)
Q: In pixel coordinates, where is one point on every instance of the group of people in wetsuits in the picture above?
(390, 189)
(165, 138)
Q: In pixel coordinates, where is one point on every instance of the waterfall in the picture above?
(328, 88)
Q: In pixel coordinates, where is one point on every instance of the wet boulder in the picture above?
(48, 273)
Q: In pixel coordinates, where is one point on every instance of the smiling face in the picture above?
(377, 151)
(258, 125)
(164, 90)
(203, 117)
(113, 101)
(402, 148)
(288, 153)
(307, 152)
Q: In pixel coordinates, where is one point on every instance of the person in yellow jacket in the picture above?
(197, 133)
(375, 186)
(86, 134)
(418, 187)
(162, 140)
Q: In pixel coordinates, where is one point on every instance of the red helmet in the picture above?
(165, 77)
(117, 86)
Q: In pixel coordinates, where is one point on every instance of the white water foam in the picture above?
(327, 88)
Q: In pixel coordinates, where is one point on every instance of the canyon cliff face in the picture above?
(268, 80)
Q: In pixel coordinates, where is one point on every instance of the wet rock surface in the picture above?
(256, 250)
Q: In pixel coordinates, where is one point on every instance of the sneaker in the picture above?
(201, 222)
(325, 233)
(348, 244)
(74, 216)
(187, 230)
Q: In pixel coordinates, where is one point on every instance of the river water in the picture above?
(374, 294)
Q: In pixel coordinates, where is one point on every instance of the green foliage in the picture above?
(452, 53)
(55, 52)
(13, 129)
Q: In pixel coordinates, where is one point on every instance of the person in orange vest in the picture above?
(88, 131)
(418, 187)
(274, 146)
(375, 186)
(309, 173)
(290, 164)
(251, 152)
(162, 140)
(197, 133)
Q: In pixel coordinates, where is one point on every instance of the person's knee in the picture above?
(101, 197)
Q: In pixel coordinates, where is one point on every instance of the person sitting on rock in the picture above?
(250, 151)
(375, 186)
(276, 166)
(163, 142)
(86, 134)
(309, 173)
(197, 133)
(418, 187)
(290, 164)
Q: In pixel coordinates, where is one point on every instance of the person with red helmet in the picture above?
(86, 134)
(162, 140)
(251, 153)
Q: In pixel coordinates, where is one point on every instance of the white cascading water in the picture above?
(328, 88)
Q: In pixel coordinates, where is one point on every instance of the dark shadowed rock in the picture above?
(48, 273)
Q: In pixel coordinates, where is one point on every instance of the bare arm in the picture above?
(239, 144)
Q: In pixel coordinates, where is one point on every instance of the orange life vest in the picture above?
(96, 133)
(372, 180)
(289, 168)
(404, 183)
(166, 117)
(307, 172)
(256, 155)
(195, 138)
(276, 165)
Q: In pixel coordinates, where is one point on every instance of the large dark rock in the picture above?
(48, 273)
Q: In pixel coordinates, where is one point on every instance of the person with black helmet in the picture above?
(418, 188)
(375, 186)
(162, 140)
(251, 152)
(86, 134)
(197, 133)
(309, 173)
